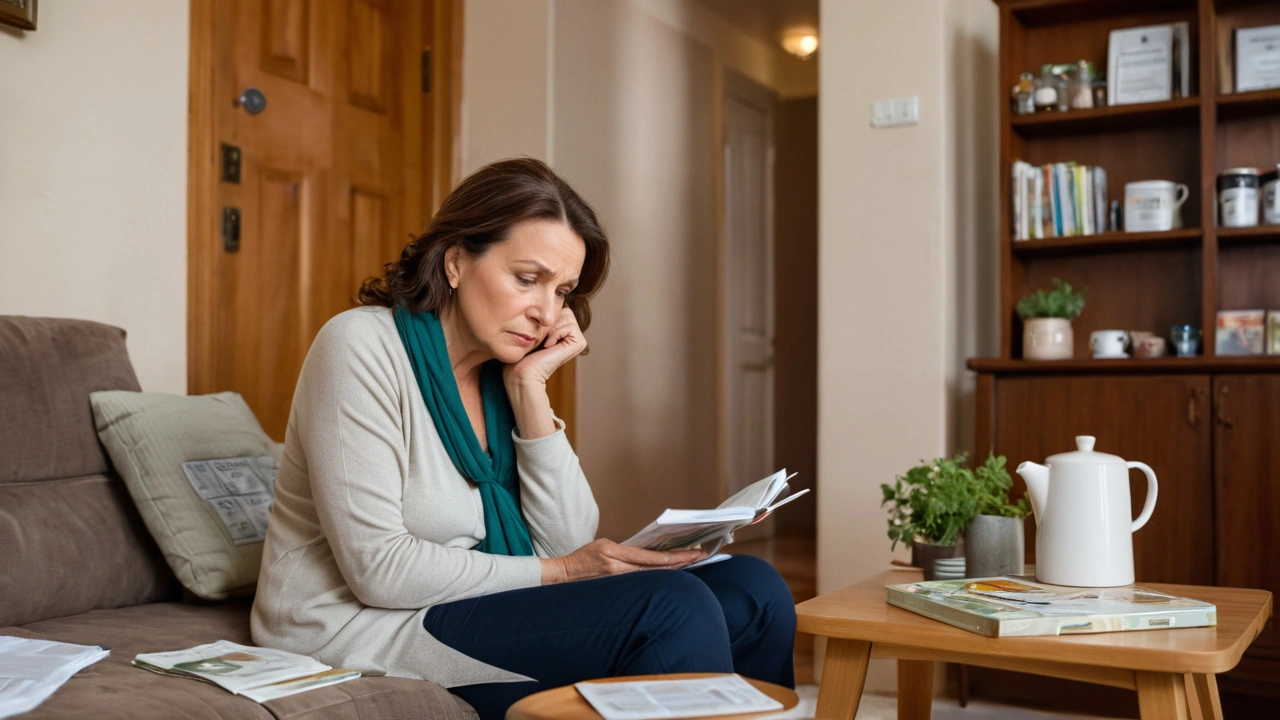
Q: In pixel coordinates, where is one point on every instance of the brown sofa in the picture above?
(77, 565)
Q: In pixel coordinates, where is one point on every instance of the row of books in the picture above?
(1058, 200)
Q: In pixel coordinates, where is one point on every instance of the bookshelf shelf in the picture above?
(1106, 243)
(1248, 104)
(1116, 117)
(1198, 364)
(1260, 235)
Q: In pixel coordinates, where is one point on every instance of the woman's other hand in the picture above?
(563, 343)
(602, 557)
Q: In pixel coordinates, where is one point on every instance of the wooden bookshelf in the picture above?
(1207, 424)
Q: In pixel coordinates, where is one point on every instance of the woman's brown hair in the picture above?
(480, 212)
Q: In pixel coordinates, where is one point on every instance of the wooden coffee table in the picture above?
(566, 703)
(1172, 670)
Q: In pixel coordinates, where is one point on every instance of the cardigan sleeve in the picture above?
(352, 431)
(554, 494)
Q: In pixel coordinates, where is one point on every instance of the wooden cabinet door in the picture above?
(1160, 420)
(1247, 473)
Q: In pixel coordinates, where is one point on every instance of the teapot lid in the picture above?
(1084, 455)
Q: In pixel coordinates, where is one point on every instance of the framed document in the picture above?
(1257, 58)
(1140, 65)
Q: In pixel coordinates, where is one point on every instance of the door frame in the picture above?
(441, 148)
(740, 87)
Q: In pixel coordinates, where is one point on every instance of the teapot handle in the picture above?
(1152, 490)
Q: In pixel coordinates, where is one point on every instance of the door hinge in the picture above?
(426, 70)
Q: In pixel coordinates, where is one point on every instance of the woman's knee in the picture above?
(677, 594)
(760, 579)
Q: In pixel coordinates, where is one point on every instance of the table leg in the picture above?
(844, 670)
(1161, 696)
(915, 689)
(1202, 697)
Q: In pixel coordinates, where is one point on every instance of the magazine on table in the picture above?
(1016, 606)
(713, 529)
(260, 674)
(699, 697)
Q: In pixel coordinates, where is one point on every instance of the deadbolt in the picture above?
(252, 100)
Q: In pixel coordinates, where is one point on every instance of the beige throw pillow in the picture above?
(149, 436)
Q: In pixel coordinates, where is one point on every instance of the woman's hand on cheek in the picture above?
(563, 343)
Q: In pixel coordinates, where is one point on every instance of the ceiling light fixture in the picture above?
(801, 43)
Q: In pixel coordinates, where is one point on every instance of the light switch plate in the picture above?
(895, 112)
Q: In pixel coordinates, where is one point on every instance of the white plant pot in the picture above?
(1047, 339)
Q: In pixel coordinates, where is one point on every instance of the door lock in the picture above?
(230, 229)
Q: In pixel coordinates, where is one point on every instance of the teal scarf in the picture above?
(506, 532)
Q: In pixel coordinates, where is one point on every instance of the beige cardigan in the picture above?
(372, 523)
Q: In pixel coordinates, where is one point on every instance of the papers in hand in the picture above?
(676, 529)
(645, 699)
(260, 674)
(31, 670)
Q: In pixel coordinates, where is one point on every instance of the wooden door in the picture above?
(332, 178)
(748, 194)
(1247, 475)
(1160, 420)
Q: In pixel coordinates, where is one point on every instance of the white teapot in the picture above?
(1084, 525)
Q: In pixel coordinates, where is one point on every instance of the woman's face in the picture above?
(511, 296)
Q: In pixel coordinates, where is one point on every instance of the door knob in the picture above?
(252, 100)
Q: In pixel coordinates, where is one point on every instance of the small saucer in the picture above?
(1121, 356)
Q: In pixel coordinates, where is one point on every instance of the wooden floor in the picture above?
(794, 554)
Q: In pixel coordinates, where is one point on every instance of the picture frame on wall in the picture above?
(18, 13)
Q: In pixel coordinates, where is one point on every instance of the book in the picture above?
(1273, 332)
(1057, 200)
(1012, 606)
(1240, 332)
(31, 670)
(675, 529)
(260, 674)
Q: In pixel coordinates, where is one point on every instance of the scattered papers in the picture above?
(260, 674)
(31, 670)
(240, 490)
(645, 699)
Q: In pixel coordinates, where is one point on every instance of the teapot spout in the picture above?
(1037, 478)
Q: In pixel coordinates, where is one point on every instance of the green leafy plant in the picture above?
(1062, 301)
(932, 501)
(991, 485)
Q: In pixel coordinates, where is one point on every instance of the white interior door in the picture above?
(748, 207)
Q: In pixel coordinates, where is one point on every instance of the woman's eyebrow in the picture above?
(546, 270)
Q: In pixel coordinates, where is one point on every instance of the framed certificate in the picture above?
(1140, 65)
(1257, 58)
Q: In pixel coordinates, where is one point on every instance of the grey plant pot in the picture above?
(923, 554)
(994, 546)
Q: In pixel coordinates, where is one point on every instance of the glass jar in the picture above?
(1080, 86)
(1050, 91)
(1022, 97)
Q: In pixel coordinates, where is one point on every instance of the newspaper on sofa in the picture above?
(676, 529)
(260, 674)
(31, 670)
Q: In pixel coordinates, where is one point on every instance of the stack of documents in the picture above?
(31, 670)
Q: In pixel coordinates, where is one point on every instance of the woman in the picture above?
(431, 520)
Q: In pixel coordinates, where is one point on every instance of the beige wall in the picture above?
(622, 98)
(906, 248)
(93, 174)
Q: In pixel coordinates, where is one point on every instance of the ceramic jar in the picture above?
(1047, 339)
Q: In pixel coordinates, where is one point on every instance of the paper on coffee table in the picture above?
(699, 697)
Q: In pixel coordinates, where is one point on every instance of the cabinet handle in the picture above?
(1192, 406)
(1223, 420)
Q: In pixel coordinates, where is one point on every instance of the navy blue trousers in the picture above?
(733, 616)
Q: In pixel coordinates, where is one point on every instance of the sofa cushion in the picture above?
(149, 436)
(113, 688)
(67, 546)
(48, 367)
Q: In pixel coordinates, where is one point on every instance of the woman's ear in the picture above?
(452, 269)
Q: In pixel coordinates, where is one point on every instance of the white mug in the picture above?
(1153, 205)
(1108, 343)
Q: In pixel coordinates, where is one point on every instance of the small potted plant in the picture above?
(929, 507)
(1046, 321)
(994, 539)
